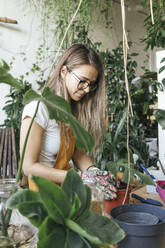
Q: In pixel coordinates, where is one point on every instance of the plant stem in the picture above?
(77, 229)
(6, 218)
(24, 146)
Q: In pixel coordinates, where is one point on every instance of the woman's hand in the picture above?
(104, 180)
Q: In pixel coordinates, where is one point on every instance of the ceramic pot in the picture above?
(145, 231)
(110, 204)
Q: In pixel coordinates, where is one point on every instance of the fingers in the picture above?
(104, 181)
(109, 194)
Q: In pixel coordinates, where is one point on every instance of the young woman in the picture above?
(79, 79)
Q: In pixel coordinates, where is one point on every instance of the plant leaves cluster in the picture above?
(143, 94)
(62, 214)
(121, 167)
(155, 33)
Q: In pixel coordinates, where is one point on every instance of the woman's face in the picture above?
(76, 88)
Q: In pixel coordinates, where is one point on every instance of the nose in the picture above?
(87, 89)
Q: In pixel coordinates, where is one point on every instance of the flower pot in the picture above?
(110, 204)
(161, 189)
(145, 231)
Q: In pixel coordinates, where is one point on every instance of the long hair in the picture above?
(90, 110)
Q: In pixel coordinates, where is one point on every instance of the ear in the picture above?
(63, 71)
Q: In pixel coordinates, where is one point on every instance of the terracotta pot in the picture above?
(109, 204)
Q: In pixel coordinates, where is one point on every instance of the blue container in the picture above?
(144, 225)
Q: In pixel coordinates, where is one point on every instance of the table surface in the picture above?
(141, 191)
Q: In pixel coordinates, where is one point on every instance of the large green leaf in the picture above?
(34, 211)
(82, 191)
(160, 117)
(75, 206)
(59, 109)
(6, 77)
(120, 125)
(25, 195)
(31, 95)
(103, 228)
(76, 241)
(54, 199)
(53, 235)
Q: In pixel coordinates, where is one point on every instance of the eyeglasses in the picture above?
(82, 84)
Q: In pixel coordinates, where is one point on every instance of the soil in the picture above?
(163, 186)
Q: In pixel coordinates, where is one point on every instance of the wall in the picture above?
(16, 39)
(134, 26)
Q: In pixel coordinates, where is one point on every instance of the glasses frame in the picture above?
(85, 83)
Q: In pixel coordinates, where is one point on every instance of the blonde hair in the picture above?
(90, 110)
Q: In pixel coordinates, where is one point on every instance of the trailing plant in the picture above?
(59, 13)
(62, 215)
(155, 32)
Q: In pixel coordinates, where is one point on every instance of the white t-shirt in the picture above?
(51, 139)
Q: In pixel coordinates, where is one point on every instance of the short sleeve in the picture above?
(42, 116)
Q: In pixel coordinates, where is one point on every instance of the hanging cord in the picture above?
(128, 151)
(151, 10)
(66, 31)
(125, 51)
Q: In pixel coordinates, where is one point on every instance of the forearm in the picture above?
(52, 174)
(82, 160)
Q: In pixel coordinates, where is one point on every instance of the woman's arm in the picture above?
(81, 160)
(31, 165)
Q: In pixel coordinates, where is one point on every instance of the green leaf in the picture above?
(60, 110)
(31, 95)
(82, 232)
(163, 82)
(83, 192)
(51, 100)
(162, 69)
(76, 241)
(75, 206)
(160, 117)
(34, 211)
(51, 234)
(25, 195)
(110, 231)
(120, 125)
(163, 59)
(146, 179)
(6, 77)
(54, 199)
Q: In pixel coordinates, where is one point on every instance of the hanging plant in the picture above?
(155, 27)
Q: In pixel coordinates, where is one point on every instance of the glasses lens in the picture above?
(83, 85)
